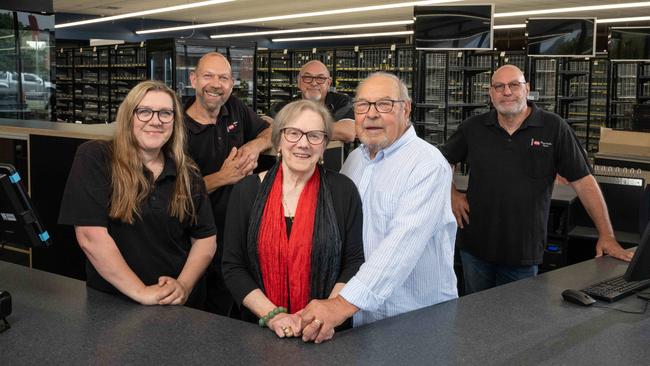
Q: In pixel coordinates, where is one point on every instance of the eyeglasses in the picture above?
(164, 115)
(308, 79)
(382, 106)
(514, 86)
(294, 135)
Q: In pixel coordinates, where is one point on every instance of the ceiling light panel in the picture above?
(143, 13)
(299, 15)
(313, 29)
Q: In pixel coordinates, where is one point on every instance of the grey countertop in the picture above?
(15, 127)
(57, 320)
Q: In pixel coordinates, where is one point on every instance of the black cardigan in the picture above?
(349, 214)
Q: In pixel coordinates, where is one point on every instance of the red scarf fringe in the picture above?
(285, 263)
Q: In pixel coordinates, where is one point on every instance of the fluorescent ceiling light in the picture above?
(363, 35)
(510, 26)
(573, 9)
(143, 13)
(623, 20)
(314, 29)
(599, 21)
(300, 15)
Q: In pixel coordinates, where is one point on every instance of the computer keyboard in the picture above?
(615, 288)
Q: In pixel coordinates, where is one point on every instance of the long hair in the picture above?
(129, 184)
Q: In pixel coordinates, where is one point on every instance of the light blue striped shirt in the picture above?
(409, 229)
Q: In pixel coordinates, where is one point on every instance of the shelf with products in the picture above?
(450, 87)
(65, 85)
(577, 90)
(599, 97)
(516, 58)
(625, 90)
(354, 64)
(347, 65)
(543, 81)
(88, 77)
(574, 93)
(128, 67)
(282, 80)
(262, 74)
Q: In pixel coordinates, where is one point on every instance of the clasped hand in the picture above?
(320, 317)
(168, 291)
(286, 325)
(238, 164)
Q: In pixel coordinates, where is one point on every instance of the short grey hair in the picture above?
(292, 110)
(403, 89)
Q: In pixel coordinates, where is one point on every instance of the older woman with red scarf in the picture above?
(293, 233)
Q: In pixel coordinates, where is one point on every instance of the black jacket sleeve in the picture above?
(235, 267)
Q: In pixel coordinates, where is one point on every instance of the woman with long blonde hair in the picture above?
(139, 205)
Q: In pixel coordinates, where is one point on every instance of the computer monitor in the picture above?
(629, 44)
(639, 268)
(19, 223)
(561, 37)
(454, 27)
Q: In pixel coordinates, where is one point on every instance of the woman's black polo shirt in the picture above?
(156, 244)
(511, 182)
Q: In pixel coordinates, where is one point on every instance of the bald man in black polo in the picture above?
(225, 139)
(514, 153)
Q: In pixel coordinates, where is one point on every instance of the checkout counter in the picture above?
(58, 320)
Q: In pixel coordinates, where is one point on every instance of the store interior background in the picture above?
(54, 73)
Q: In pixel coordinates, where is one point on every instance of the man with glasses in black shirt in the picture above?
(314, 82)
(514, 153)
(225, 139)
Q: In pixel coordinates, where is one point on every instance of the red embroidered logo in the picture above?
(231, 127)
(534, 142)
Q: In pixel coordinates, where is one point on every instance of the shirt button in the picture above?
(153, 198)
(509, 140)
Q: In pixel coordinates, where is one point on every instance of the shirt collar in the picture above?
(169, 169)
(534, 119)
(196, 127)
(408, 136)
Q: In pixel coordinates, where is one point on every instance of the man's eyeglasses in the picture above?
(514, 86)
(308, 79)
(294, 135)
(164, 115)
(382, 106)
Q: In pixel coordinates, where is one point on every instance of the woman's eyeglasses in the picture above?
(145, 115)
(294, 135)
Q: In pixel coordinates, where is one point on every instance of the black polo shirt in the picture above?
(209, 146)
(511, 181)
(156, 244)
(339, 105)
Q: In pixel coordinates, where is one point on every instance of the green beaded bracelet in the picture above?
(265, 319)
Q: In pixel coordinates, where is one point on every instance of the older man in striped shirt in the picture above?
(409, 228)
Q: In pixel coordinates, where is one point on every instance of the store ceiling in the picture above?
(246, 9)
